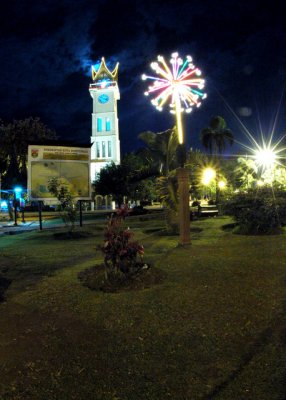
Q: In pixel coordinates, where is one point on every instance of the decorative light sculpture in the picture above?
(180, 84)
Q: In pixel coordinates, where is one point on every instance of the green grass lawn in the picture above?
(215, 329)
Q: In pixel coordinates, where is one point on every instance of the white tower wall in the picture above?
(105, 126)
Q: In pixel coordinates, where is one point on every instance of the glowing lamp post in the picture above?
(209, 174)
(222, 185)
(179, 85)
(17, 196)
(266, 158)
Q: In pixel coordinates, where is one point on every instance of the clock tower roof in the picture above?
(103, 73)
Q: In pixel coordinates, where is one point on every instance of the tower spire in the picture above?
(103, 72)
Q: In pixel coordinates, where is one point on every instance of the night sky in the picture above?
(47, 49)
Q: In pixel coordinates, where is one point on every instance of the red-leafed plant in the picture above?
(121, 254)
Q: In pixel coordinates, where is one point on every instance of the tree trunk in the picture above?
(172, 221)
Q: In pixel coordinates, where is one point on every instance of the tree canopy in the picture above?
(132, 179)
(14, 139)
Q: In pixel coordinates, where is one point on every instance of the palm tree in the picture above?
(161, 152)
(161, 149)
(167, 189)
(215, 137)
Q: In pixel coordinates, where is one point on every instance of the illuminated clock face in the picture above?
(103, 98)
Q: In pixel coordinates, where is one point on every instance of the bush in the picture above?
(67, 206)
(120, 253)
(258, 212)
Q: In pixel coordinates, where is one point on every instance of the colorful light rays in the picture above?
(179, 84)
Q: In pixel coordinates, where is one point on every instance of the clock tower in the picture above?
(105, 134)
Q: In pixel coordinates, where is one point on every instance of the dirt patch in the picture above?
(94, 278)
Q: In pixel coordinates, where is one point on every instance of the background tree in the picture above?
(196, 162)
(14, 139)
(132, 180)
(113, 180)
(161, 150)
(216, 136)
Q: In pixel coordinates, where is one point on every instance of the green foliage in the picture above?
(258, 212)
(67, 206)
(120, 253)
(14, 139)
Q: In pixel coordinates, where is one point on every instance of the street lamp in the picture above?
(208, 175)
(180, 85)
(260, 182)
(221, 185)
(265, 158)
(16, 202)
(208, 180)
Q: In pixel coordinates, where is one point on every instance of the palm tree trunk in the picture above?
(172, 221)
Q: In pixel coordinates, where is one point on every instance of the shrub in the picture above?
(258, 212)
(120, 253)
(67, 206)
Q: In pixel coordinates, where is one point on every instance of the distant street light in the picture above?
(265, 158)
(208, 175)
(16, 202)
(260, 182)
(222, 185)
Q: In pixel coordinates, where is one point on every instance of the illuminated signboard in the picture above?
(70, 164)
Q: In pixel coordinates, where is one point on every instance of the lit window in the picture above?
(97, 150)
(103, 149)
(109, 149)
(107, 124)
(99, 124)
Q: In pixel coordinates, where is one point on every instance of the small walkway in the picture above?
(10, 228)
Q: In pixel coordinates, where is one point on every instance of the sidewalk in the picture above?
(8, 227)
